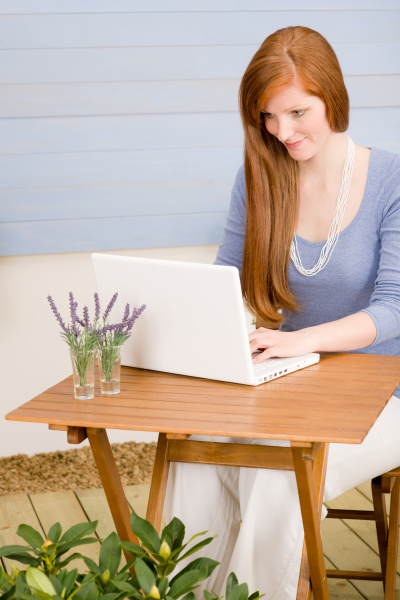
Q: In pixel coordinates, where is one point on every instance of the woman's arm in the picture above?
(350, 333)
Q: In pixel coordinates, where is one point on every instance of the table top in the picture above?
(336, 400)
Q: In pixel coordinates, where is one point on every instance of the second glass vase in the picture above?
(83, 362)
(110, 369)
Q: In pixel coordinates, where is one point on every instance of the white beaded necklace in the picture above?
(337, 220)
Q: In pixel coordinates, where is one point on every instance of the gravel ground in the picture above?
(73, 469)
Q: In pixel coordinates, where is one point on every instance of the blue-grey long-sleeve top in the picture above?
(363, 273)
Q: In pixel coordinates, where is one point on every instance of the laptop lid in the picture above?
(194, 323)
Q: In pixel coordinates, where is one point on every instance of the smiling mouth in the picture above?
(295, 144)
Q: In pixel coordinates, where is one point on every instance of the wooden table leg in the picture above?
(310, 476)
(112, 485)
(158, 483)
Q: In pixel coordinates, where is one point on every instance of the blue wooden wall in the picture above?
(118, 118)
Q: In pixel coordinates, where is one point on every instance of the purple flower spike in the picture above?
(85, 316)
(74, 317)
(135, 314)
(110, 305)
(56, 313)
(97, 306)
(126, 313)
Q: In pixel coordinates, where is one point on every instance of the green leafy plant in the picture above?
(144, 577)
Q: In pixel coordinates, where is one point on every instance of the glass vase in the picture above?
(83, 363)
(110, 369)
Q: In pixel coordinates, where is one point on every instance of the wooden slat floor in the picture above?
(347, 544)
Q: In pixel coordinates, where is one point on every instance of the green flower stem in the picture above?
(108, 355)
(83, 357)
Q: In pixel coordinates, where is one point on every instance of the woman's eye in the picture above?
(267, 115)
(298, 113)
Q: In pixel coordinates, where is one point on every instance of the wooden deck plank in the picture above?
(340, 589)
(63, 506)
(138, 497)
(346, 550)
(14, 510)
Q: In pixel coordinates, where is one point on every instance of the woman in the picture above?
(314, 228)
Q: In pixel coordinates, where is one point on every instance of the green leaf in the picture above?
(68, 579)
(69, 558)
(146, 533)
(124, 586)
(25, 558)
(199, 563)
(133, 549)
(7, 550)
(145, 575)
(87, 591)
(30, 535)
(239, 592)
(110, 596)
(38, 581)
(77, 532)
(186, 582)
(55, 533)
(163, 586)
(210, 595)
(256, 596)
(56, 584)
(231, 582)
(9, 594)
(110, 553)
(175, 530)
(189, 596)
(196, 547)
(91, 565)
(196, 535)
(65, 547)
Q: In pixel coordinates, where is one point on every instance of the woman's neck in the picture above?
(324, 168)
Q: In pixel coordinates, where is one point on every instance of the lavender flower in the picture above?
(113, 336)
(126, 314)
(74, 317)
(97, 307)
(56, 313)
(110, 305)
(86, 317)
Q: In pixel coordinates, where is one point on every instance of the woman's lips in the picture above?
(295, 144)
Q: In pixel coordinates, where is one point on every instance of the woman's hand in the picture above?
(350, 333)
(273, 343)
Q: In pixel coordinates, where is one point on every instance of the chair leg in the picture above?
(304, 585)
(393, 540)
(380, 522)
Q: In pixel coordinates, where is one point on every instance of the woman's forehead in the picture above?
(288, 97)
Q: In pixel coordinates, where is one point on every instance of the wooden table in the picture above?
(337, 400)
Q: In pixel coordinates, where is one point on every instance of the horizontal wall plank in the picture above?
(111, 234)
(107, 201)
(155, 97)
(96, 6)
(144, 132)
(174, 63)
(376, 127)
(104, 168)
(179, 28)
(126, 132)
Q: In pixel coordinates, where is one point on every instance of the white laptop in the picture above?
(194, 323)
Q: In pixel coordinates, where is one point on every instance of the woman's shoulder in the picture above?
(384, 163)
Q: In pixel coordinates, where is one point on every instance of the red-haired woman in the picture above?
(314, 228)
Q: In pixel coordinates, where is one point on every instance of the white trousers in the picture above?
(255, 513)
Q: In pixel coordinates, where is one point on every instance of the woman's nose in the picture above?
(284, 130)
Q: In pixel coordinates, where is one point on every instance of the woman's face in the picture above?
(298, 120)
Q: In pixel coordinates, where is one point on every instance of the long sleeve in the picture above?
(230, 251)
(384, 307)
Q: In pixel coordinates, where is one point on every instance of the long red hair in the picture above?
(271, 174)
